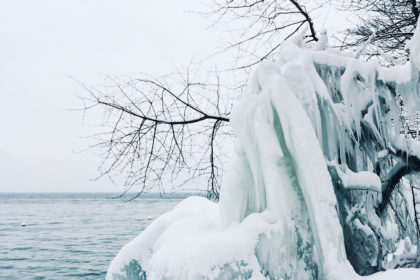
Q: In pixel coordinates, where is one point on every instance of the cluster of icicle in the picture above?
(277, 217)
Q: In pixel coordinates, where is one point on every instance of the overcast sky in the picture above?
(42, 42)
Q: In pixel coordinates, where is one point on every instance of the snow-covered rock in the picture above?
(308, 115)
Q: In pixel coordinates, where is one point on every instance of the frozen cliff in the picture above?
(322, 184)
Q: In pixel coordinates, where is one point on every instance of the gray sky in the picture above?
(44, 41)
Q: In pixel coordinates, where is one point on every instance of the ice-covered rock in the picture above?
(317, 140)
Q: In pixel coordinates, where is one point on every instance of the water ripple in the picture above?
(69, 236)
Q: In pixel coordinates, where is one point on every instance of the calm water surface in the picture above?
(69, 236)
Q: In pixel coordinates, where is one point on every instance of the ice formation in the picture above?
(318, 142)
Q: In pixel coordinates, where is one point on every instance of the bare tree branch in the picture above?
(159, 132)
(389, 25)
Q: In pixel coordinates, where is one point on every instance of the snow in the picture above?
(322, 42)
(382, 153)
(399, 73)
(415, 48)
(142, 247)
(191, 233)
(362, 180)
(396, 274)
(277, 216)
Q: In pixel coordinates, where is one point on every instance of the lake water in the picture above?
(70, 235)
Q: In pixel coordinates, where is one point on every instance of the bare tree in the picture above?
(160, 131)
(386, 24)
(170, 131)
(262, 26)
